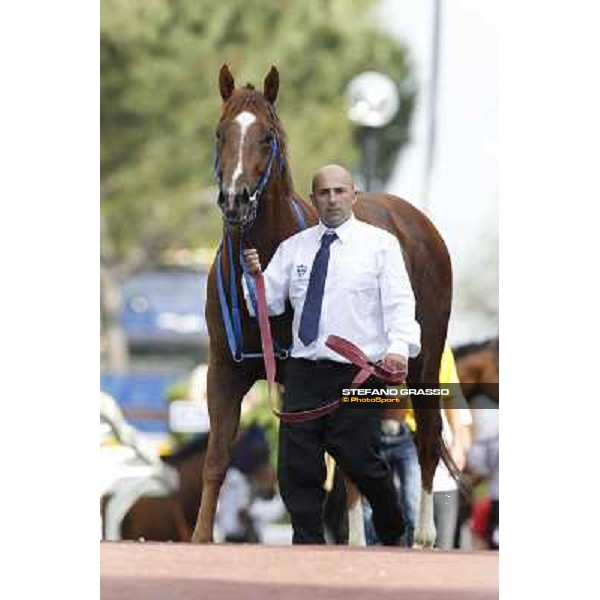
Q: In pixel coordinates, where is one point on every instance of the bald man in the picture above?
(347, 278)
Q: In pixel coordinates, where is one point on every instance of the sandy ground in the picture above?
(152, 571)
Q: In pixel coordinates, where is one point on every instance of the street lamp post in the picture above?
(373, 102)
(369, 150)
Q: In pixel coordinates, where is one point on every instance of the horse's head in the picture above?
(249, 146)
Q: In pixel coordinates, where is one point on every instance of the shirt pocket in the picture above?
(298, 287)
(364, 296)
(361, 286)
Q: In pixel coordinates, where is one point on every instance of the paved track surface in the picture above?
(166, 571)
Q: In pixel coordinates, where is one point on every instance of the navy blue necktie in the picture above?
(311, 313)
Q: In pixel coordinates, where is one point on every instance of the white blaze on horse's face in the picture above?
(244, 120)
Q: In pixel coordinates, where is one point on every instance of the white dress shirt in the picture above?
(368, 298)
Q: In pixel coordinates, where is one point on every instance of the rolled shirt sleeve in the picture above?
(398, 303)
(277, 283)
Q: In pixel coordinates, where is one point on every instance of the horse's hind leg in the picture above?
(225, 390)
(356, 524)
(343, 512)
(429, 425)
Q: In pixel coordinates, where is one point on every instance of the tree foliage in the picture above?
(160, 103)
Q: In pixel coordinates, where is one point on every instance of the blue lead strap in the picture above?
(235, 307)
(299, 214)
(223, 303)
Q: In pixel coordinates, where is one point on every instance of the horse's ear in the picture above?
(271, 86)
(226, 83)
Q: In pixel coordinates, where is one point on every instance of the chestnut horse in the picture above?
(172, 518)
(478, 369)
(260, 209)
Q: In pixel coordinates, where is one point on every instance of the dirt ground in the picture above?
(165, 571)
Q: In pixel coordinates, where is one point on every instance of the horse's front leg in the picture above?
(226, 386)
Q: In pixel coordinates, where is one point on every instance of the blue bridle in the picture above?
(232, 315)
(275, 152)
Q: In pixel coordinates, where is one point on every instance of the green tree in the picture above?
(160, 103)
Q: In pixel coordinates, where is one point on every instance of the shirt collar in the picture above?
(344, 231)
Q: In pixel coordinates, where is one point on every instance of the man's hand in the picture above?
(395, 362)
(251, 258)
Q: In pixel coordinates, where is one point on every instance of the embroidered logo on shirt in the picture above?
(301, 270)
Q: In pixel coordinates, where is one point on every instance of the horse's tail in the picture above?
(463, 483)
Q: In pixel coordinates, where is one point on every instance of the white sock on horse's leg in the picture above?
(356, 524)
(425, 532)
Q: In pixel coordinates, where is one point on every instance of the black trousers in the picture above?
(348, 434)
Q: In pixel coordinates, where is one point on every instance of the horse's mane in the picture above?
(467, 349)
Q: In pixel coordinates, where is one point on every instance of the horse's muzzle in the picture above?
(238, 210)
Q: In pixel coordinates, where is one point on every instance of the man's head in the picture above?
(333, 194)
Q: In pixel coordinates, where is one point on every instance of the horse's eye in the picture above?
(218, 135)
(267, 139)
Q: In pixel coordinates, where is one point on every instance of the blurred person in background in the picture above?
(396, 443)
(397, 446)
(483, 461)
(446, 495)
(456, 424)
(249, 498)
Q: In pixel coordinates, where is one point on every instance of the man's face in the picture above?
(333, 196)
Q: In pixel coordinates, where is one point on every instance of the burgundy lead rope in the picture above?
(269, 358)
(340, 345)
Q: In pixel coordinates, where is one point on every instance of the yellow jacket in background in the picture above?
(448, 374)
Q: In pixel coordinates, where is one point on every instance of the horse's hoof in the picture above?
(426, 546)
(199, 538)
(424, 540)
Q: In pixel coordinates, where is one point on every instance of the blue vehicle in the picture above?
(142, 396)
(164, 325)
(165, 309)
